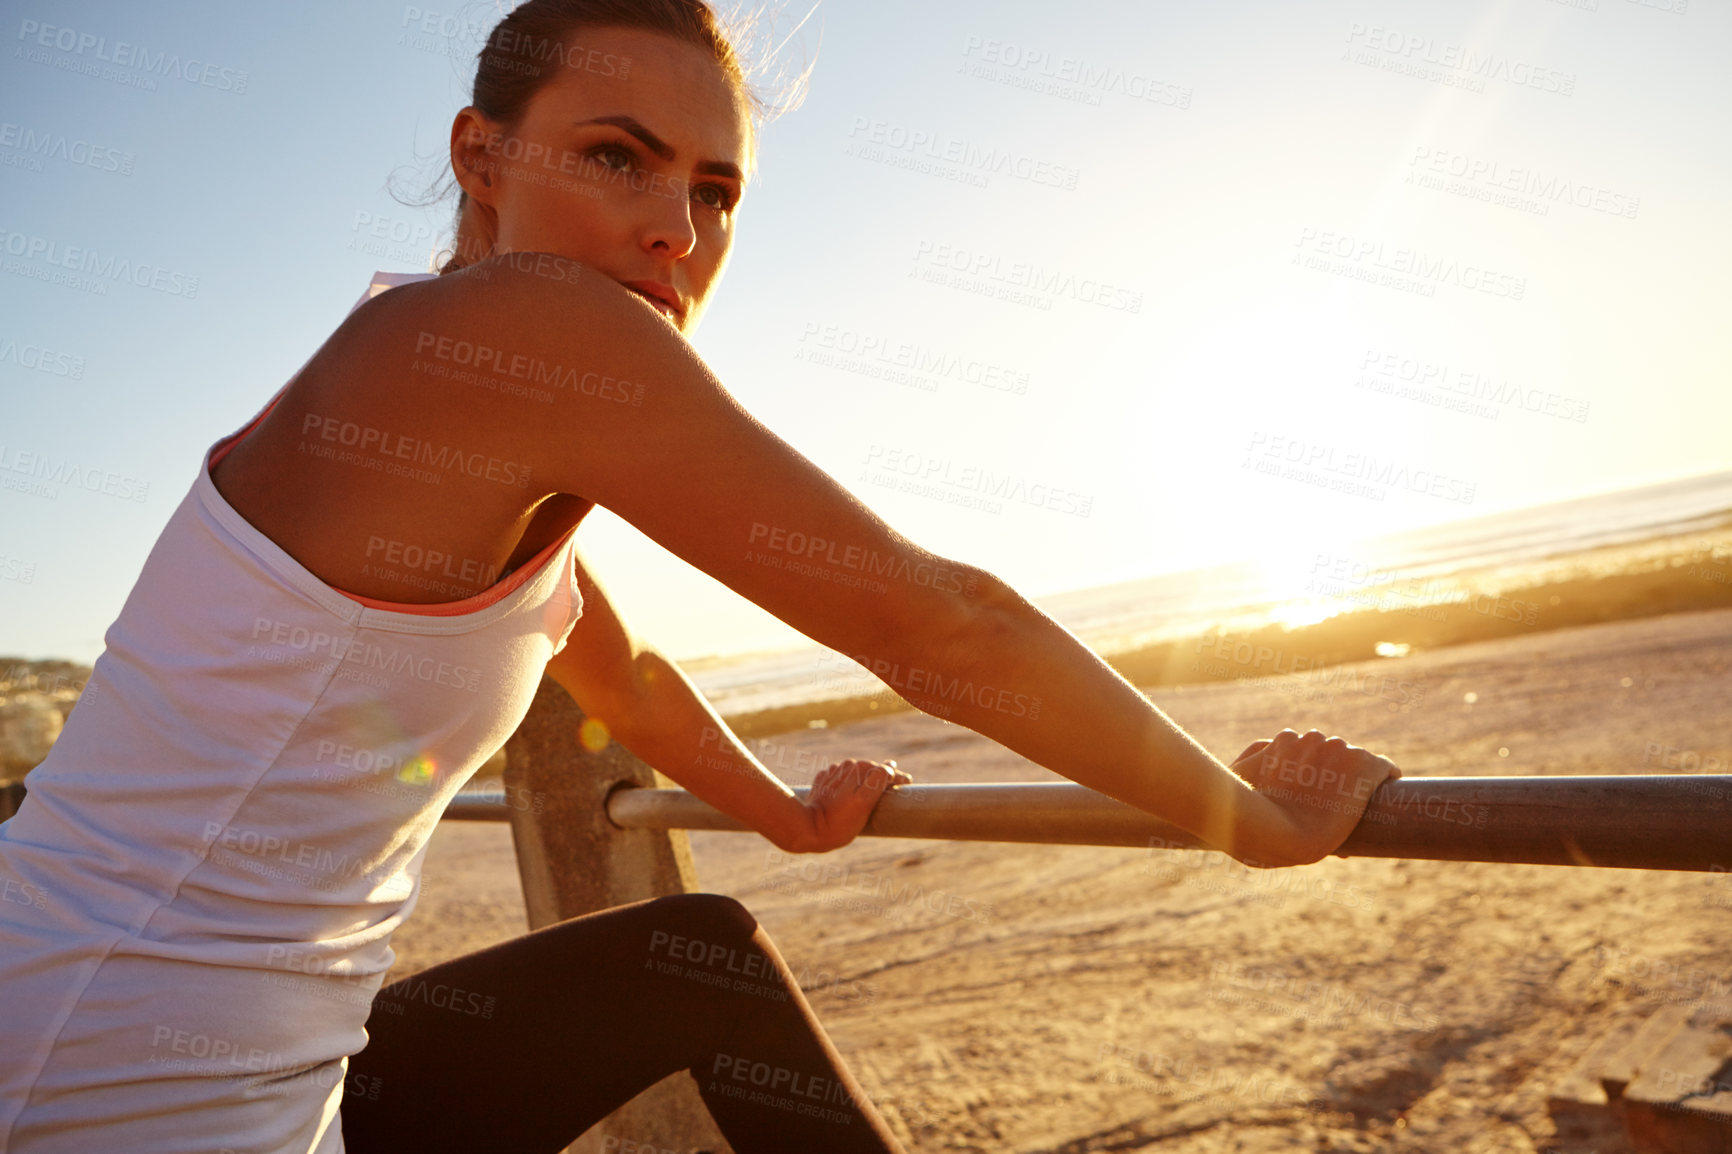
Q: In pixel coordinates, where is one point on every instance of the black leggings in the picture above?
(525, 1045)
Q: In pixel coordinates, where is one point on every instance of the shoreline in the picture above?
(1668, 573)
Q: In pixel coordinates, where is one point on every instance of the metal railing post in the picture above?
(571, 858)
(573, 861)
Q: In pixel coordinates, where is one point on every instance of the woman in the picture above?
(233, 822)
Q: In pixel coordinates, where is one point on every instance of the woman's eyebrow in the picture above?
(662, 148)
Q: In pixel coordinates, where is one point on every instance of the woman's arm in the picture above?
(650, 707)
(640, 425)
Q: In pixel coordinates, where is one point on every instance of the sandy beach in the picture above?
(1013, 998)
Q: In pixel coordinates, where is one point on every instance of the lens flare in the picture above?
(418, 770)
(593, 735)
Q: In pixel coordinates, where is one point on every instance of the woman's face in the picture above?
(631, 159)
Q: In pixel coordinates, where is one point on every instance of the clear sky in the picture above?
(1164, 284)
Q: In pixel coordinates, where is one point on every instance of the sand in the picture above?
(1072, 999)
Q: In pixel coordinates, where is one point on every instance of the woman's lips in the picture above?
(662, 297)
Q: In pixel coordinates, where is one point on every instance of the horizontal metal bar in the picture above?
(478, 803)
(1631, 822)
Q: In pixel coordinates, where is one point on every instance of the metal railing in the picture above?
(1630, 822)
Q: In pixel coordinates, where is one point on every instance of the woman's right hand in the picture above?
(842, 799)
(1320, 784)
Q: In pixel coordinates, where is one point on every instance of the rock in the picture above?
(29, 723)
(1681, 1100)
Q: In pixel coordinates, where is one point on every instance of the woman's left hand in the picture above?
(842, 798)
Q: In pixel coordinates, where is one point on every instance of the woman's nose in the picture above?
(668, 220)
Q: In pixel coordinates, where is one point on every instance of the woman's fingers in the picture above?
(1298, 758)
(1261, 758)
(845, 793)
(857, 774)
(1254, 747)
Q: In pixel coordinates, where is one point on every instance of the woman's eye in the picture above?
(623, 155)
(716, 196)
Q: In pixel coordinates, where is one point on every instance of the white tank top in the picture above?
(198, 894)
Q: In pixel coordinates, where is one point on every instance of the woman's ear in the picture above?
(474, 142)
(472, 161)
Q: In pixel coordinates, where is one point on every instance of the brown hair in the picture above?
(539, 37)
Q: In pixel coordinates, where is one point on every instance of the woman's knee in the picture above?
(709, 930)
(707, 917)
(665, 925)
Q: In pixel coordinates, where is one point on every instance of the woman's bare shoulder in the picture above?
(515, 294)
(511, 343)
